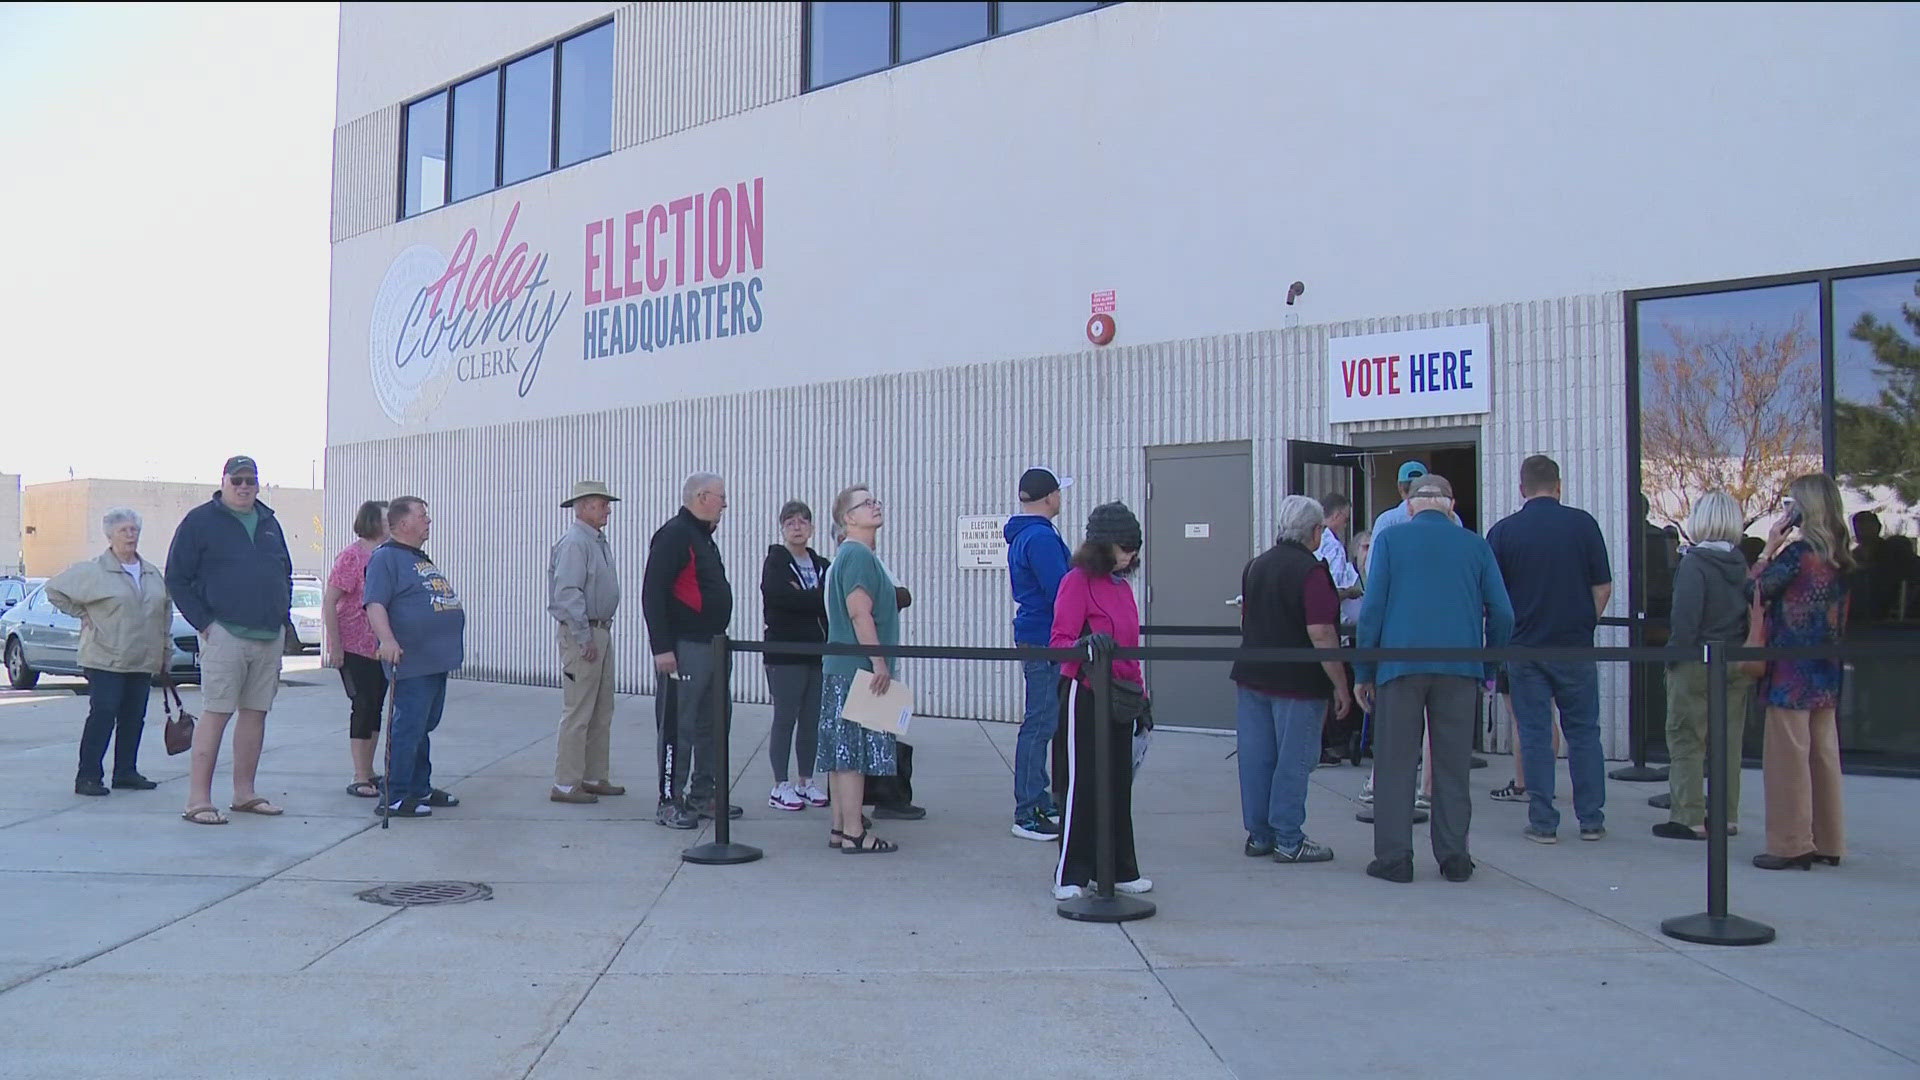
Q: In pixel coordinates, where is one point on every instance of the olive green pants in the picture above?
(1687, 740)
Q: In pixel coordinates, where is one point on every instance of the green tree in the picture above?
(1879, 442)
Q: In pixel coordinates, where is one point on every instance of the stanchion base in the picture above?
(1091, 908)
(1705, 929)
(1639, 774)
(714, 854)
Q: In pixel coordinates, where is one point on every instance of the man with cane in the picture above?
(417, 618)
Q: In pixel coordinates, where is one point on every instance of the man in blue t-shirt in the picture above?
(1554, 562)
(417, 618)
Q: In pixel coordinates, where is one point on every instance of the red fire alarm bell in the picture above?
(1100, 329)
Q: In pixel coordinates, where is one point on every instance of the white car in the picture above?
(307, 597)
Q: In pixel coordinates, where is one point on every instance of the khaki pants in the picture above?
(587, 720)
(1687, 740)
(1802, 769)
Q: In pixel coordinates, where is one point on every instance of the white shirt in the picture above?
(134, 569)
(1334, 554)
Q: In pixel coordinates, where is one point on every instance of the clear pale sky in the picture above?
(164, 267)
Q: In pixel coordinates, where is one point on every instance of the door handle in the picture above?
(1238, 601)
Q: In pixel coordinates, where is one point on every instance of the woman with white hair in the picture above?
(1709, 605)
(121, 602)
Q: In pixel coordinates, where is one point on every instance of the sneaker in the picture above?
(704, 808)
(1511, 793)
(1308, 851)
(674, 815)
(134, 782)
(783, 797)
(90, 787)
(904, 811)
(579, 795)
(1136, 886)
(812, 793)
(1036, 826)
(1366, 794)
(1593, 832)
(1421, 802)
(1539, 837)
(1068, 892)
(1258, 848)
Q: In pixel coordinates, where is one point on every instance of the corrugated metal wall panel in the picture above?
(366, 176)
(679, 65)
(939, 444)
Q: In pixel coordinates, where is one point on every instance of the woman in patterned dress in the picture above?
(1802, 580)
(861, 608)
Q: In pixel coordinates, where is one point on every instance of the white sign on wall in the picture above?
(983, 542)
(1440, 371)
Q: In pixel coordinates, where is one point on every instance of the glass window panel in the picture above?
(848, 39)
(586, 95)
(529, 127)
(928, 28)
(426, 154)
(476, 120)
(1021, 16)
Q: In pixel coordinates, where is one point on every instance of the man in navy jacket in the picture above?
(231, 577)
(1036, 561)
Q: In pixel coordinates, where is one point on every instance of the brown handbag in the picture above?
(1756, 638)
(179, 730)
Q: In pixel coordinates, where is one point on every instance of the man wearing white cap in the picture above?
(583, 592)
(1036, 561)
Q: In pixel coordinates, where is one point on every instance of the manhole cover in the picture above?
(418, 893)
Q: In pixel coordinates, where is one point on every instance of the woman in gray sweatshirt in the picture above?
(1709, 604)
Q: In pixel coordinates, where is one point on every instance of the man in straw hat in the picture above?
(583, 592)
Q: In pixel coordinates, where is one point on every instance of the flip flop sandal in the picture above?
(436, 797)
(205, 815)
(365, 789)
(257, 805)
(867, 844)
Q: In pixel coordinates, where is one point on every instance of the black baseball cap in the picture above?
(1038, 483)
(239, 463)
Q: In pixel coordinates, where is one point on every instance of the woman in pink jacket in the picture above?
(1095, 598)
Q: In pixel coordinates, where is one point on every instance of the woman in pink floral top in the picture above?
(350, 644)
(1802, 581)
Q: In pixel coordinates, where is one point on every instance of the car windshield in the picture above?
(306, 596)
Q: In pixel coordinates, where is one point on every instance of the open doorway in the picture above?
(1457, 459)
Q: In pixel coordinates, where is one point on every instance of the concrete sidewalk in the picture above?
(136, 944)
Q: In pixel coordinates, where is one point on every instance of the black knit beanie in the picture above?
(1113, 523)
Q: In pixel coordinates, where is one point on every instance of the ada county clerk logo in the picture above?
(438, 321)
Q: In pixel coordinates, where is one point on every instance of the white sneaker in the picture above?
(1421, 802)
(812, 793)
(1137, 885)
(1068, 892)
(1366, 795)
(785, 798)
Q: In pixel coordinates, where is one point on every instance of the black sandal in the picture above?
(837, 836)
(436, 797)
(364, 789)
(866, 844)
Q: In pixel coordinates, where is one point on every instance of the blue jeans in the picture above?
(1279, 747)
(1575, 688)
(117, 712)
(1031, 750)
(417, 703)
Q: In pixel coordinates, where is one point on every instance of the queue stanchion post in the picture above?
(1102, 904)
(721, 850)
(1716, 926)
(1639, 732)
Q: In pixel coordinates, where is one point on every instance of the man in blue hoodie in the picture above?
(1036, 561)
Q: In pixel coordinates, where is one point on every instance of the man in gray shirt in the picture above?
(583, 592)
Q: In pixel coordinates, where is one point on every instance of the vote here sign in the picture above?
(1441, 371)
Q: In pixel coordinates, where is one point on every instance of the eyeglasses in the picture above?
(244, 481)
(875, 503)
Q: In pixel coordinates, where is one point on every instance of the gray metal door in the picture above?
(1199, 524)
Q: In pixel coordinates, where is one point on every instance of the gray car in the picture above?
(37, 639)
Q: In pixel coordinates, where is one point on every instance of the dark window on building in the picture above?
(846, 40)
(528, 150)
(586, 95)
(499, 126)
(476, 130)
(426, 162)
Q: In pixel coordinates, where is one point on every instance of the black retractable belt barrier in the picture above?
(1102, 905)
(721, 850)
(1715, 926)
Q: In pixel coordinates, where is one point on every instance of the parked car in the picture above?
(14, 589)
(37, 639)
(305, 617)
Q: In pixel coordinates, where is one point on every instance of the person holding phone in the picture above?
(862, 608)
(1801, 579)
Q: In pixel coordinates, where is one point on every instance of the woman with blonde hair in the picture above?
(1802, 580)
(1709, 605)
(862, 607)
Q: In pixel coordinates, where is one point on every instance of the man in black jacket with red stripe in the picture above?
(686, 600)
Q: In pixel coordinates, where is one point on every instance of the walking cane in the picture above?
(386, 780)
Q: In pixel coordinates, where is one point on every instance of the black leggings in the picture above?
(366, 684)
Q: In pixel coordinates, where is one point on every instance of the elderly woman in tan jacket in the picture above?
(121, 602)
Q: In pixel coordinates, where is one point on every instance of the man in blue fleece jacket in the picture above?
(1036, 561)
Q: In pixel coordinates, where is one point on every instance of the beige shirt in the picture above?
(125, 623)
(581, 581)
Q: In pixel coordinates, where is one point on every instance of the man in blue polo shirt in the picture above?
(1554, 562)
(1398, 514)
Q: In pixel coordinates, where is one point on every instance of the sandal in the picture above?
(364, 789)
(436, 797)
(205, 815)
(257, 805)
(837, 837)
(866, 844)
(1673, 830)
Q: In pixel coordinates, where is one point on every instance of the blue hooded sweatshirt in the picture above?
(1036, 561)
